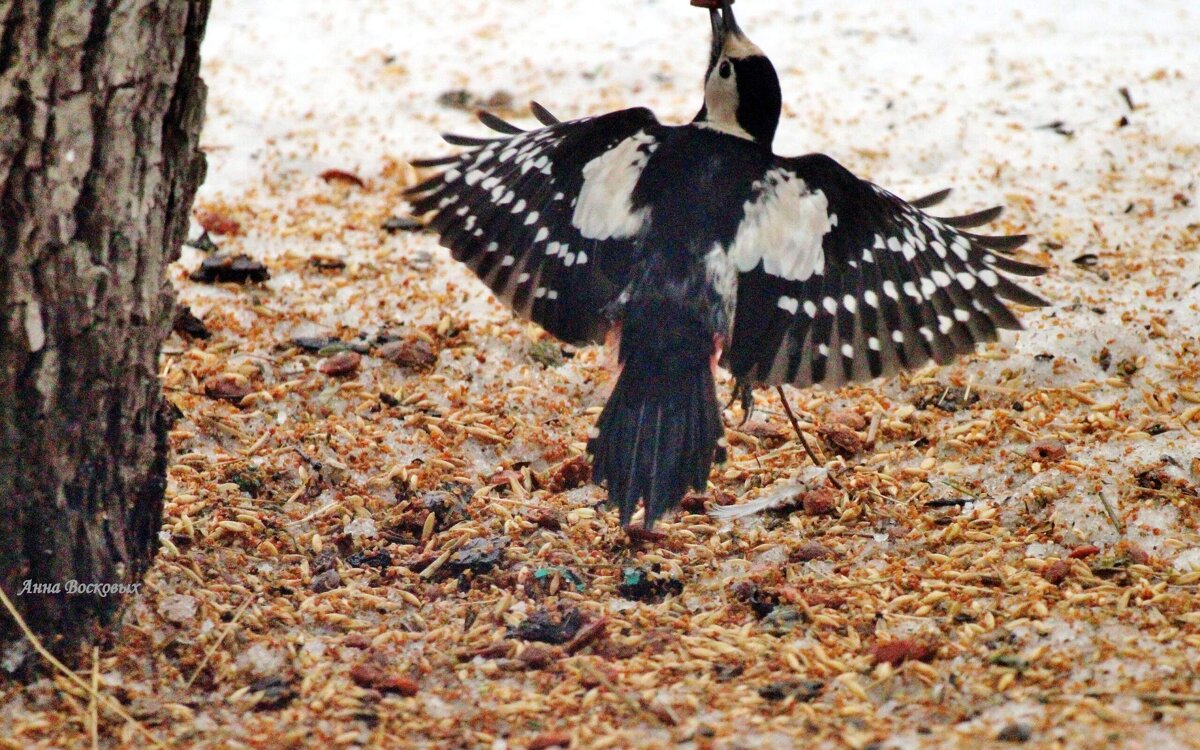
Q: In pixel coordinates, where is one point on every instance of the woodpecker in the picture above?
(696, 244)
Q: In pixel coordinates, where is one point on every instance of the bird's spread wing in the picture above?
(840, 280)
(545, 218)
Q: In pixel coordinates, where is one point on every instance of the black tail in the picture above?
(661, 430)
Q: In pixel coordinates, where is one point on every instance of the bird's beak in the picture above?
(718, 36)
(724, 25)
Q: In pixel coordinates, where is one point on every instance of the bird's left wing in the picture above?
(546, 217)
(840, 280)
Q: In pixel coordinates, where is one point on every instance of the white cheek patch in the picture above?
(721, 105)
(605, 205)
(783, 229)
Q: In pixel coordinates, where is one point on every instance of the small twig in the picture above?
(787, 409)
(224, 634)
(111, 703)
(1161, 697)
(93, 711)
(857, 584)
(1112, 514)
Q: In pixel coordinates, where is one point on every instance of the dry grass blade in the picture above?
(224, 634)
(37, 645)
(93, 713)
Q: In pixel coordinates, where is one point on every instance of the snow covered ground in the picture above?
(1080, 118)
(1062, 599)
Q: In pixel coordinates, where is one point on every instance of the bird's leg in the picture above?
(742, 391)
(612, 349)
(612, 342)
(746, 391)
(787, 409)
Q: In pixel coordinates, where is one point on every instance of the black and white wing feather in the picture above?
(840, 280)
(545, 217)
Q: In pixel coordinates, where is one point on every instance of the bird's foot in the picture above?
(743, 393)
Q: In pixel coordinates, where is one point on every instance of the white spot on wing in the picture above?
(783, 228)
(604, 208)
(791, 304)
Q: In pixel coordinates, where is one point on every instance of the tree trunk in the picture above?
(100, 111)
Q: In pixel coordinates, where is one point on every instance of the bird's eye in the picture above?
(725, 70)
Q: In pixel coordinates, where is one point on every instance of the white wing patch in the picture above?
(605, 205)
(721, 274)
(783, 229)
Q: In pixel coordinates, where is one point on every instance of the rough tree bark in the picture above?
(100, 111)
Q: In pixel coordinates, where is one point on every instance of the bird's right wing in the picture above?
(840, 280)
(546, 218)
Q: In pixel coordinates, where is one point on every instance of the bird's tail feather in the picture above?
(660, 431)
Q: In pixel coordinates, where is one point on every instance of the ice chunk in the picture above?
(178, 608)
(362, 528)
(261, 660)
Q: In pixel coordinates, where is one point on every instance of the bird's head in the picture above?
(741, 90)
